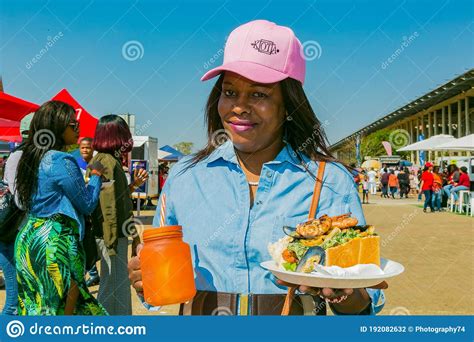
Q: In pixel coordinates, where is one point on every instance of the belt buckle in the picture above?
(243, 304)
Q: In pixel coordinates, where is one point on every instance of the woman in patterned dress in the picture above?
(49, 255)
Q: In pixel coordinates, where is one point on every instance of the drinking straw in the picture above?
(163, 210)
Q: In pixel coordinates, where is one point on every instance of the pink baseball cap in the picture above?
(263, 52)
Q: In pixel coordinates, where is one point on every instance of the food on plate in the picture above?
(328, 241)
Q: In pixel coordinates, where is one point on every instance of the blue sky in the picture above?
(346, 84)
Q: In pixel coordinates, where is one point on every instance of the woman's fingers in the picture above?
(135, 274)
(313, 291)
(139, 249)
(138, 286)
(327, 293)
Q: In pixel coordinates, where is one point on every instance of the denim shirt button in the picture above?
(269, 174)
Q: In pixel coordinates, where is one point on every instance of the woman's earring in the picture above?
(289, 117)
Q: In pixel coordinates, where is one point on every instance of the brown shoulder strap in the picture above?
(317, 190)
(312, 213)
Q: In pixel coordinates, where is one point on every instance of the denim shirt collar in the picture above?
(226, 152)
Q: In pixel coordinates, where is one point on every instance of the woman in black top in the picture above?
(404, 181)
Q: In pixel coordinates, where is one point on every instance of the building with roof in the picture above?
(448, 109)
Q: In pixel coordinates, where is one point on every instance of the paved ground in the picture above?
(436, 249)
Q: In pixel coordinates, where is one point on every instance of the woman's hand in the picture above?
(135, 272)
(140, 176)
(135, 243)
(340, 297)
(97, 168)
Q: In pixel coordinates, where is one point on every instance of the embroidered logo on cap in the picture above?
(265, 46)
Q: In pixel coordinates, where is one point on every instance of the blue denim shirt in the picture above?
(229, 239)
(62, 190)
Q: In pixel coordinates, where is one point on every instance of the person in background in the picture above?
(437, 189)
(86, 152)
(161, 177)
(7, 255)
(418, 176)
(393, 183)
(404, 181)
(453, 178)
(463, 184)
(384, 181)
(49, 255)
(372, 175)
(413, 182)
(426, 186)
(114, 214)
(365, 190)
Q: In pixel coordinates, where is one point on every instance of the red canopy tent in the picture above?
(12, 110)
(10, 130)
(87, 122)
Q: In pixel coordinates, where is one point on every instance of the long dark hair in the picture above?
(303, 130)
(45, 134)
(112, 136)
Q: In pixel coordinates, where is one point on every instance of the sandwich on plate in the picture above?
(327, 241)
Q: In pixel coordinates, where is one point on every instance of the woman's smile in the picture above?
(240, 126)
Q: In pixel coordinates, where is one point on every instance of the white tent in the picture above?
(163, 154)
(430, 144)
(462, 144)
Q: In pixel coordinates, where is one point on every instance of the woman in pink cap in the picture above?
(256, 175)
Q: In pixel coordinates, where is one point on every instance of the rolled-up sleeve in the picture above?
(70, 179)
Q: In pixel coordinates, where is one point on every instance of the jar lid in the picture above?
(159, 232)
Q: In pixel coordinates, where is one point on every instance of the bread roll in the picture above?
(364, 250)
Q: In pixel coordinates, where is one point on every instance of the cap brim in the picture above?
(252, 71)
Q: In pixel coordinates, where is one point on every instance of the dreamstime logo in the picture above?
(124, 148)
(407, 218)
(213, 59)
(49, 44)
(311, 50)
(15, 329)
(399, 311)
(222, 227)
(132, 227)
(220, 137)
(222, 311)
(406, 42)
(311, 139)
(44, 139)
(399, 138)
(133, 50)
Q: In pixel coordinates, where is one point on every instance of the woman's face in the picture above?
(71, 134)
(253, 113)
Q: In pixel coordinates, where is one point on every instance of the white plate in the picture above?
(390, 268)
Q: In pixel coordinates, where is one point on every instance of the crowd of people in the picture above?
(70, 213)
(436, 186)
(392, 182)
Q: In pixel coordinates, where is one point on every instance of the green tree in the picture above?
(184, 147)
(371, 145)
